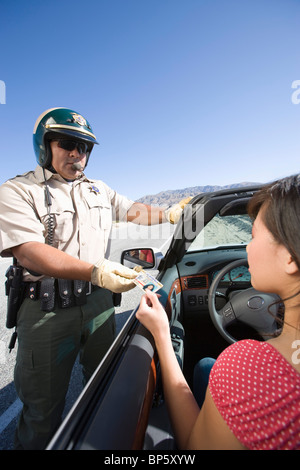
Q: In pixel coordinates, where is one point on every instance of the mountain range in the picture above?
(172, 196)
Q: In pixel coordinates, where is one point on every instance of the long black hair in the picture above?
(281, 215)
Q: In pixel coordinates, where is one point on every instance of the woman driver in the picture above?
(253, 397)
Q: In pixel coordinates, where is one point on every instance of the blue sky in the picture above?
(179, 92)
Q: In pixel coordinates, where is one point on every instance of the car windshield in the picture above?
(223, 231)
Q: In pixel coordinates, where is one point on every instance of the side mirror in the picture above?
(138, 257)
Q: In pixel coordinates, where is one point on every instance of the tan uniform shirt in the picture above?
(83, 213)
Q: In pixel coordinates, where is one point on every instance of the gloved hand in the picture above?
(113, 276)
(173, 214)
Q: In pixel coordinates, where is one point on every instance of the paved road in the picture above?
(123, 236)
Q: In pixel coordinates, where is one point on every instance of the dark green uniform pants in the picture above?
(48, 344)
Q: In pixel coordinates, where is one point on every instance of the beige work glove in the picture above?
(113, 276)
(173, 214)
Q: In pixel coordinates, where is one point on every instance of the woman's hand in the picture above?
(153, 316)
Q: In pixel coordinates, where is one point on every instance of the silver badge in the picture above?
(79, 119)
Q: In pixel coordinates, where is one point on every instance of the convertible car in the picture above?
(210, 303)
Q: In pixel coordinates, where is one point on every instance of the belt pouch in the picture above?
(65, 293)
(47, 294)
(80, 292)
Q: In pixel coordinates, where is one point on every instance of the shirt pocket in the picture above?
(100, 212)
(61, 223)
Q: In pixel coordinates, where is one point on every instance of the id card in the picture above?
(145, 281)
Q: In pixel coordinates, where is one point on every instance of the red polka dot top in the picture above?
(257, 392)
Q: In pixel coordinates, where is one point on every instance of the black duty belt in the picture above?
(65, 292)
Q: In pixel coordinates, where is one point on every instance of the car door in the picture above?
(111, 413)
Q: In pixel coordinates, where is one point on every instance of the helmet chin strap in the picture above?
(50, 168)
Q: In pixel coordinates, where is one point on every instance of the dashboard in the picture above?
(236, 276)
(197, 272)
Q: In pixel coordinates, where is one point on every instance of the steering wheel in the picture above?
(248, 306)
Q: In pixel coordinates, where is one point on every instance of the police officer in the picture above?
(56, 223)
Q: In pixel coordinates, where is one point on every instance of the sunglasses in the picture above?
(70, 145)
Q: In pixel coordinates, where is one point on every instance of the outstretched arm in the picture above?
(143, 214)
(193, 428)
(150, 215)
(49, 261)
